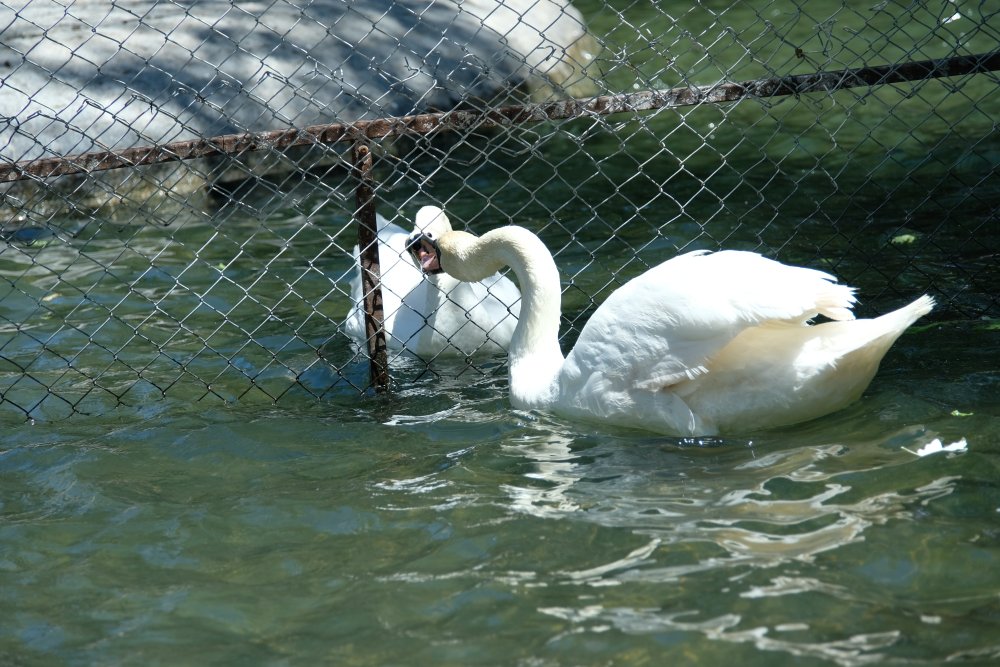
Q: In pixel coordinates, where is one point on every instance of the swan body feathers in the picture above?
(704, 343)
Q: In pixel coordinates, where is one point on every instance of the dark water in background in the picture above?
(438, 526)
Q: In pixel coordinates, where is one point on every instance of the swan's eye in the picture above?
(413, 241)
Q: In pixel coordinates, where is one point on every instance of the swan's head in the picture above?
(454, 253)
(471, 258)
(429, 225)
(434, 242)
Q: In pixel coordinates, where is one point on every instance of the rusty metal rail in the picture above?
(235, 144)
(371, 287)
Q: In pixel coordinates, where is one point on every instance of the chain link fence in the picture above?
(179, 213)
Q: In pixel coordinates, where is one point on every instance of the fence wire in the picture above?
(233, 275)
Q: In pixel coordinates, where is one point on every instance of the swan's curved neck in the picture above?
(534, 355)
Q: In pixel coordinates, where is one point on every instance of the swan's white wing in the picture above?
(474, 315)
(487, 302)
(464, 318)
(393, 262)
(663, 326)
(504, 292)
(399, 278)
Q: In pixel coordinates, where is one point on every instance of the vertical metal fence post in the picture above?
(370, 272)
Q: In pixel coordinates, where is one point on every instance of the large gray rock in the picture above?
(93, 75)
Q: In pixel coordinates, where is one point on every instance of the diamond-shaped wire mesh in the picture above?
(228, 277)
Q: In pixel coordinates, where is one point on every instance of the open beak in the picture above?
(426, 253)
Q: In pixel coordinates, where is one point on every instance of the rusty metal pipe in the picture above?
(371, 287)
(234, 144)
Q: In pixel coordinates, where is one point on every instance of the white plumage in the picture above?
(436, 314)
(701, 344)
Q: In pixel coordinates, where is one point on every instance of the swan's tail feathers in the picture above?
(884, 330)
(910, 313)
(836, 301)
(872, 338)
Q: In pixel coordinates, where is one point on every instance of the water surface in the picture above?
(439, 526)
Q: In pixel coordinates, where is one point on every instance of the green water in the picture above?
(246, 504)
(437, 526)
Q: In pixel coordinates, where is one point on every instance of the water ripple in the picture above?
(779, 507)
(858, 649)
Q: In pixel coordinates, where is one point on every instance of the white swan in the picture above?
(704, 343)
(439, 315)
